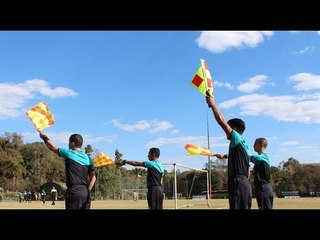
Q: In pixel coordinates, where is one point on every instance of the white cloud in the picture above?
(306, 81)
(202, 141)
(63, 138)
(43, 87)
(221, 84)
(140, 125)
(13, 97)
(221, 41)
(289, 143)
(310, 148)
(299, 108)
(99, 139)
(175, 131)
(304, 51)
(253, 84)
(158, 126)
(152, 126)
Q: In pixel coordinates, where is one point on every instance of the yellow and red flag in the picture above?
(193, 149)
(202, 79)
(102, 160)
(40, 116)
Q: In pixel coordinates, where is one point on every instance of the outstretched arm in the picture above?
(221, 155)
(48, 143)
(218, 115)
(132, 163)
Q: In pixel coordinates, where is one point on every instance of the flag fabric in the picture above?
(193, 149)
(202, 79)
(102, 160)
(40, 116)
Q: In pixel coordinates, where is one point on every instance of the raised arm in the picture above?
(218, 115)
(48, 143)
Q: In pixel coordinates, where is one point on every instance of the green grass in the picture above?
(279, 203)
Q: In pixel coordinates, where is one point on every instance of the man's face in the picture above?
(150, 156)
(257, 146)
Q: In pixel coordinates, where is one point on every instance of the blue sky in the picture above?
(130, 90)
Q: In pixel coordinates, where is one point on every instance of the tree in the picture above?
(168, 183)
(292, 165)
(88, 150)
(11, 163)
(41, 164)
(118, 155)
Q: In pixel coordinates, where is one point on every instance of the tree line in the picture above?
(27, 166)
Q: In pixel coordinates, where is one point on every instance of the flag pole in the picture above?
(209, 161)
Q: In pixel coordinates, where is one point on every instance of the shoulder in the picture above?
(148, 163)
(63, 150)
(235, 136)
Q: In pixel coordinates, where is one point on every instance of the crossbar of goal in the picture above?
(175, 180)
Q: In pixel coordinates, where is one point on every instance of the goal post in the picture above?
(175, 190)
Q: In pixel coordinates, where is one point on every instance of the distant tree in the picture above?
(139, 172)
(41, 165)
(168, 183)
(118, 155)
(88, 149)
(108, 182)
(11, 163)
(292, 165)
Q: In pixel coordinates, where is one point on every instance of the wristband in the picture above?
(225, 156)
(45, 139)
(124, 162)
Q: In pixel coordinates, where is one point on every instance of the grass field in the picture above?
(214, 204)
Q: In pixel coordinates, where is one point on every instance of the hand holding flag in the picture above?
(102, 160)
(193, 149)
(202, 79)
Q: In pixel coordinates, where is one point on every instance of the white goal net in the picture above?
(134, 194)
(185, 185)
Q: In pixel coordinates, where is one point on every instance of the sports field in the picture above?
(214, 204)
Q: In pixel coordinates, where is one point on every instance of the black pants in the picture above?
(155, 197)
(239, 192)
(78, 197)
(53, 198)
(264, 196)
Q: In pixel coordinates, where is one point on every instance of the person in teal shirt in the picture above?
(239, 187)
(80, 172)
(155, 172)
(261, 182)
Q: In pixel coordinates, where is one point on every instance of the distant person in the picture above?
(43, 196)
(135, 196)
(80, 172)
(261, 182)
(54, 195)
(239, 187)
(154, 177)
(25, 196)
(20, 197)
(35, 195)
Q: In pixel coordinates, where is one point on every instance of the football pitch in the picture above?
(214, 204)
